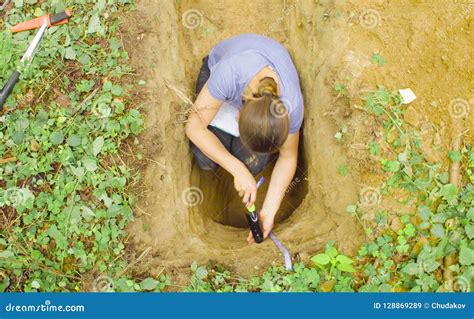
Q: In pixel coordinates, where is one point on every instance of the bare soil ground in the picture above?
(427, 47)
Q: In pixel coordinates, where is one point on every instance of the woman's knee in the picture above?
(204, 162)
(256, 163)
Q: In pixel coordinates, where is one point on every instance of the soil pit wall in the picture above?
(173, 214)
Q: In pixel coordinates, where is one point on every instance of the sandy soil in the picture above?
(427, 48)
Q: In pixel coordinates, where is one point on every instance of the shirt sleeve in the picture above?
(296, 120)
(296, 116)
(221, 83)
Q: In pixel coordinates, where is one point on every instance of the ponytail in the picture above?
(263, 120)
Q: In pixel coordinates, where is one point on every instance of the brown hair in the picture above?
(263, 119)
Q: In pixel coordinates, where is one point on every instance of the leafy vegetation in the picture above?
(408, 257)
(64, 187)
(65, 184)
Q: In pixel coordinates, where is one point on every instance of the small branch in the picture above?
(156, 162)
(87, 99)
(143, 254)
(7, 160)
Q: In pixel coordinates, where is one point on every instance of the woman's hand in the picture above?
(266, 225)
(245, 184)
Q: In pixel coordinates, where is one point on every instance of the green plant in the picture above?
(64, 188)
(330, 262)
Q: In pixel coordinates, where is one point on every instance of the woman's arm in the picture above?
(282, 175)
(204, 110)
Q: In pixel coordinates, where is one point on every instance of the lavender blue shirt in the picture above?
(235, 61)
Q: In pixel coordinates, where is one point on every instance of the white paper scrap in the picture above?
(407, 95)
(226, 119)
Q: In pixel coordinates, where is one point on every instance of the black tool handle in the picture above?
(254, 226)
(8, 87)
(58, 17)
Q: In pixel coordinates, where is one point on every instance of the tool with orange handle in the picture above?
(51, 20)
(42, 23)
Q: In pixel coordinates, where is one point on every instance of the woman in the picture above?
(249, 106)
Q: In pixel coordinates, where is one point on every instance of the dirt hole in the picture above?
(221, 203)
(167, 54)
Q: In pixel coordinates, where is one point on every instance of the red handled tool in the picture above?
(51, 20)
(42, 23)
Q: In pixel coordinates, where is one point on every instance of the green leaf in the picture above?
(90, 164)
(411, 269)
(321, 259)
(331, 252)
(470, 213)
(97, 145)
(74, 140)
(84, 59)
(470, 231)
(70, 53)
(437, 230)
(345, 267)
(344, 259)
(78, 171)
(35, 284)
(149, 284)
(117, 90)
(377, 59)
(94, 24)
(18, 3)
(38, 12)
(391, 166)
(455, 156)
(449, 192)
(342, 170)
(466, 256)
(351, 208)
(56, 138)
(201, 272)
(6, 254)
(424, 212)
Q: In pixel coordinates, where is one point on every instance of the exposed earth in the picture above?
(184, 215)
